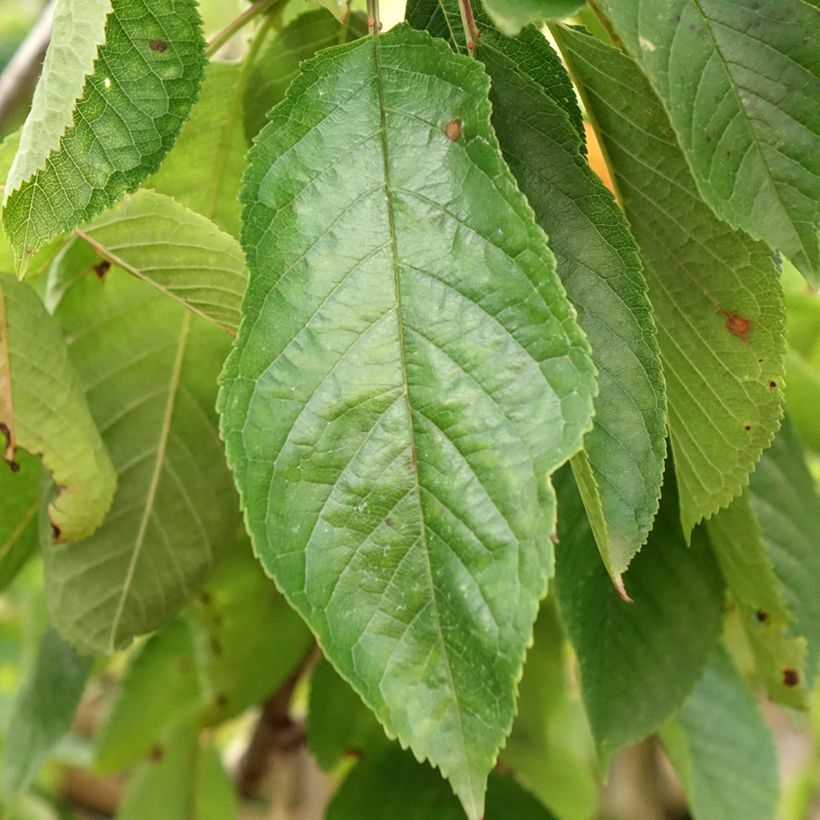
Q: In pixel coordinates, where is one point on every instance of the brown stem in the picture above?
(471, 32)
(616, 41)
(374, 23)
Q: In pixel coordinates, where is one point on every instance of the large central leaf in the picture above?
(407, 375)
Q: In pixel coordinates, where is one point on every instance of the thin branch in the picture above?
(374, 23)
(21, 73)
(471, 32)
(220, 38)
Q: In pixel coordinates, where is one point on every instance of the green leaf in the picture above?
(186, 781)
(638, 661)
(785, 499)
(43, 711)
(512, 15)
(740, 84)
(537, 122)
(43, 411)
(407, 375)
(338, 723)
(18, 517)
(82, 157)
(179, 252)
(550, 749)
(716, 297)
(149, 369)
(278, 63)
(159, 687)
(416, 792)
(204, 169)
(722, 748)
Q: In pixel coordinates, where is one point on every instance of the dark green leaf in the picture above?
(716, 297)
(18, 516)
(43, 711)
(638, 661)
(407, 375)
(741, 84)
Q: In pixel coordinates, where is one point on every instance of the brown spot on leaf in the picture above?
(453, 130)
(790, 677)
(762, 616)
(772, 384)
(216, 646)
(354, 752)
(737, 325)
(221, 700)
(158, 45)
(205, 598)
(388, 522)
(554, 537)
(157, 753)
(55, 532)
(101, 268)
(747, 427)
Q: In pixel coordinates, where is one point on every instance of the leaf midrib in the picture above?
(406, 393)
(7, 405)
(173, 388)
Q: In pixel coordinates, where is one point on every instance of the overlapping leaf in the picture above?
(722, 749)
(715, 293)
(86, 153)
(537, 122)
(512, 15)
(741, 85)
(18, 516)
(177, 251)
(638, 661)
(43, 411)
(149, 369)
(407, 375)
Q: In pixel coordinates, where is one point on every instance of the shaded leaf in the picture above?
(43, 411)
(637, 661)
(179, 252)
(149, 368)
(18, 516)
(204, 168)
(722, 749)
(43, 711)
(144, 81)
(407, 375)
(537, 122)
(278, 62)
(741, 83)
(716, 296)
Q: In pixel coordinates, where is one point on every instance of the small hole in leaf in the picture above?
(790, 677)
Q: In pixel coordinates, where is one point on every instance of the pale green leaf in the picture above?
(204, 168)
(741, 84)
(716, 297)
(143, 84)
(18, 516)
(43, 411)
(512, 15)
(278, 62)
(149, 369)
(407, 375)
(537, 122)
(412, 791)
(185, 781)
(179, 252)
(638, 661)
(722, 748)
(43, 711)
(550, 749)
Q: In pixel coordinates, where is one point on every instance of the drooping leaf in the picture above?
(185, 781)
(149, 369)
(43, 411)
(204, 168)
(716, 297)
(416, 792)
(722, 749)
(786, 502)
(179, 252)
(407, 375)
(512, 15)
(550, 748)
(338, 723)
(743, 554)
(278, 62)
(638, 661)
(537, 123)
(740, 83)
(79, 155)
(18, 516)
(42, 712)
(159, 687)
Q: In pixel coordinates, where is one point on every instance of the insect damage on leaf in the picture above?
(453, 130)
(737, 325)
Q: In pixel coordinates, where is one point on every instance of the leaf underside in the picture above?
(407, 375)
(715, 293)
